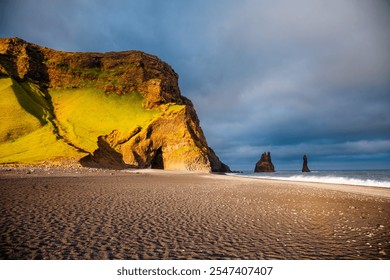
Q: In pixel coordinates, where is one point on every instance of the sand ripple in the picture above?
(185, 216)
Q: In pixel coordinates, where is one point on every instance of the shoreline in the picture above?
(51, 170)
(358, 189)
(86, 213)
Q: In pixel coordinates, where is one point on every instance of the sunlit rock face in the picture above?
(116, 109)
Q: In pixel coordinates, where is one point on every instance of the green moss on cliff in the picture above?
(37, 126)
(85, 114)
(26, 132)
(40, 145)
(15, 121)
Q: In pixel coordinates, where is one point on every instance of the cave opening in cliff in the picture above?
(158, 161)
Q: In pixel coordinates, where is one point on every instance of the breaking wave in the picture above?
(357, 178)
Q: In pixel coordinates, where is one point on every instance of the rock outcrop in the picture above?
(305, 167)
(172, 139)
(265, 163)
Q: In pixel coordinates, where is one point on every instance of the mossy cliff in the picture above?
(117, 110)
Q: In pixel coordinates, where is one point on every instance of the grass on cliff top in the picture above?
(85, 114)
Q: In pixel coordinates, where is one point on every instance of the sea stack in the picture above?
(305, 168)
(265, 164)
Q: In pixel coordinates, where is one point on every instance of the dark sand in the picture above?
(79, 213)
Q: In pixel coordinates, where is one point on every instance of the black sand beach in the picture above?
(81, 213)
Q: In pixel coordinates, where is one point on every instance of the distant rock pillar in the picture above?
(265, 164)
(305, 168)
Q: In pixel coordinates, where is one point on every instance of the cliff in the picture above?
(117, 110)
(265, 164)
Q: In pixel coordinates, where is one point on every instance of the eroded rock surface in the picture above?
(174, 140)
(265, 163)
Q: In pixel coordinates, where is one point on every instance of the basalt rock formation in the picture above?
(305, 167)
(117, 110)
(265, 164)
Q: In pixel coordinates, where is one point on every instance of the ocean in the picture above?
(374, 178)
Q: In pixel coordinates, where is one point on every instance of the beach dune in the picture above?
(81, 213)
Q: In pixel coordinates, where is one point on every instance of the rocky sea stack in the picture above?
(117, 110)
(305, 167)
(265, 163)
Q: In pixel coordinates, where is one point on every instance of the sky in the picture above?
(290, 77)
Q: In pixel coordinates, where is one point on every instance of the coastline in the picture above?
(349, 188)
(85, 213)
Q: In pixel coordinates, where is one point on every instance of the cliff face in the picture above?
(115, 72)
(119, 109)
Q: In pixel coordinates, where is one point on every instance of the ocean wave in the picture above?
(326, 179)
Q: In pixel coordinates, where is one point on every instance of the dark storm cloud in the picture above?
(291, 77)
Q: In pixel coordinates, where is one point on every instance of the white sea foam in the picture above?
(336, 180)
(322, 178)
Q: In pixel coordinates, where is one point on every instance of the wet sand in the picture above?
(80, 213)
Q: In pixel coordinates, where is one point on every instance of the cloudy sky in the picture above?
(289, 77)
